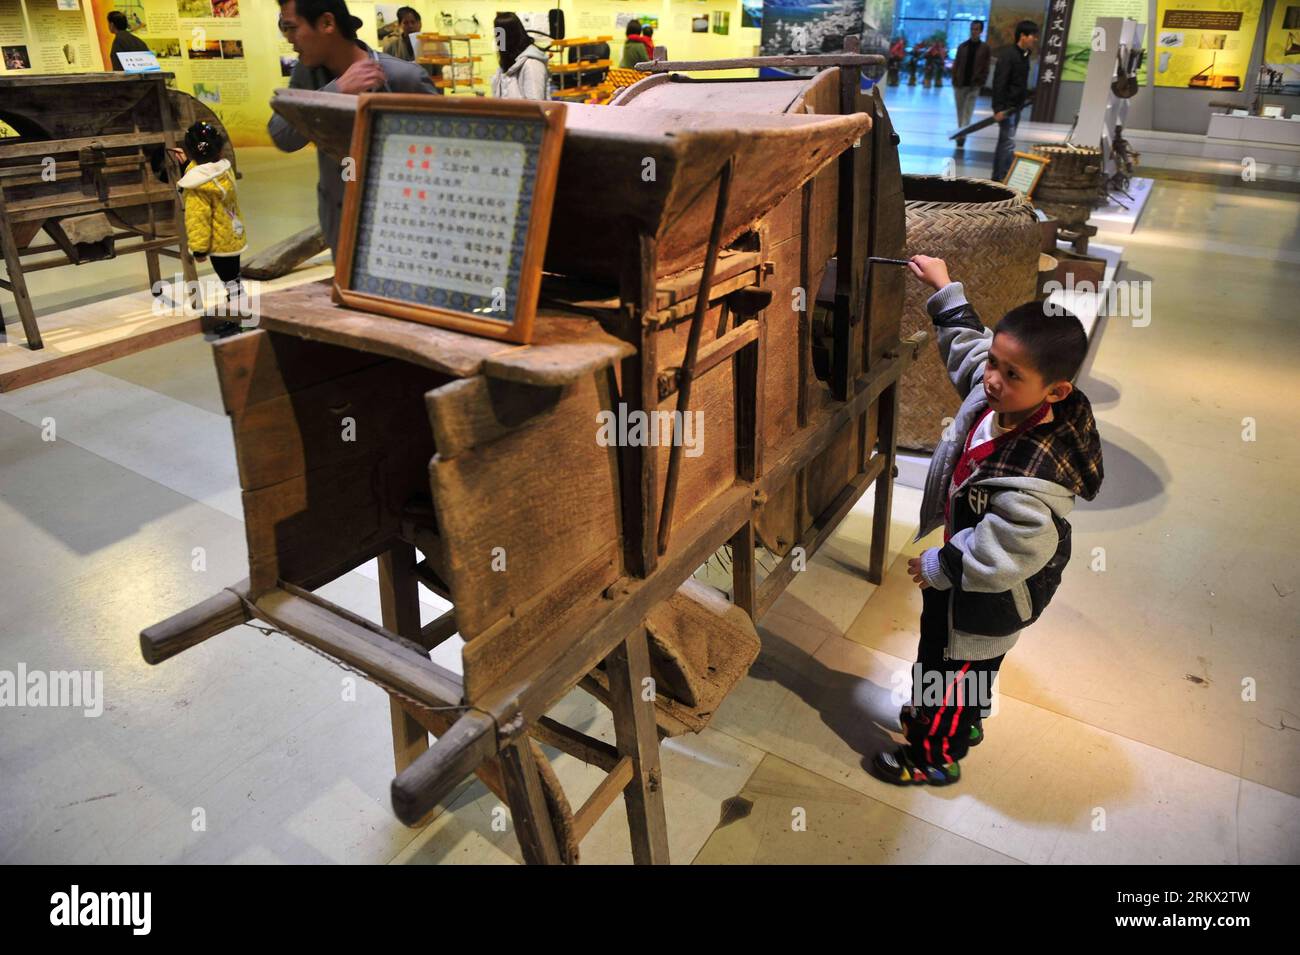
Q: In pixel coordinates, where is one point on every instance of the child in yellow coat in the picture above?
(213, 224)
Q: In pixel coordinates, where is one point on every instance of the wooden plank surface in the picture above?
(356, 644)
(567, 348)
(539, 502)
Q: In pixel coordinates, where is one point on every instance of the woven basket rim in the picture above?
(1009, 201)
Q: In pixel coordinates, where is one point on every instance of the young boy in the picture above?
(1002, 481)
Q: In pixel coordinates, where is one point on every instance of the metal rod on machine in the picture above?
(692, 350)
(751, 62)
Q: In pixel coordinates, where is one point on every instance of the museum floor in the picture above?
(1122, 734)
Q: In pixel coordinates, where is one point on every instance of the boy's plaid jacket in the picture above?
(1007, 536)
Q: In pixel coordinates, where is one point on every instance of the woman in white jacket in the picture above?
(523, 72)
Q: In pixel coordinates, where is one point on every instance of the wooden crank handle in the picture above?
(436, 771)
(218, 613)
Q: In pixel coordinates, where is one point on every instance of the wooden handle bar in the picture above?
(435, 773)
(218, 613)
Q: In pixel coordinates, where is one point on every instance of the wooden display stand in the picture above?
(80, 170)
(456, 83)
(563, 70)
(568, 560)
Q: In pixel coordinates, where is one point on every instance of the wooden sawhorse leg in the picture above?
(399, 600)
(637, 738)
(528, 811)
(17, 284)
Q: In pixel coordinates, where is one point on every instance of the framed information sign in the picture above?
(445, 221)
(1026, 169)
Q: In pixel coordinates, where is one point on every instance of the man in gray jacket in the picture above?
(1001, 483)
(332, 59)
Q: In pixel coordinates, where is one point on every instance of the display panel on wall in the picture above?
(1083, 19)
(1003, 17)
(805, 26)
(1282, 50)
(1205, 44)
(227, 53)
(45, 36)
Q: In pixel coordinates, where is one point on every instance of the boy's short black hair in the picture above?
(402, 11)
(633, 27)
(118, 19)
(1026, 28)
(1053, 336)
(647, 31)
(313, 10)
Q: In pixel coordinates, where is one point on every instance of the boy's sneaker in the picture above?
(897, 768)
(908, 713)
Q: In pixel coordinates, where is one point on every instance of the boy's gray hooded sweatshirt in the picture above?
(1017, 536)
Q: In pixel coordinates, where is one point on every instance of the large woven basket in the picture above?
(989, 236)
(1071, 185)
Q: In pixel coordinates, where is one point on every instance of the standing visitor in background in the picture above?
(522, 71)
(970, 71)
(648, 36)
(399, 44)
(636, 48)
(897, 53)
(934, 59)
(124, 41)
(1010, 87)
(331, 58)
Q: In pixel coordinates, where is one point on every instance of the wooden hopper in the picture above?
(475, 466)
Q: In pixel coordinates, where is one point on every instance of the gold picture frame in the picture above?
(1026, 166)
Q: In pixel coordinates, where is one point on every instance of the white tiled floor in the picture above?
(1104, 750)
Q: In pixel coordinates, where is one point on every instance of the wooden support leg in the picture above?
(639, 483)
(399, 600)
(19, 285)
(636, 736)
(188, 268)
(528, 805)
(155, 270)
(887, 438)
(744, 585)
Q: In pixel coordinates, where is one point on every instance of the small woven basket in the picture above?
(990, 238)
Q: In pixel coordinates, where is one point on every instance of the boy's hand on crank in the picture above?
(914, 568)
(933, 272)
